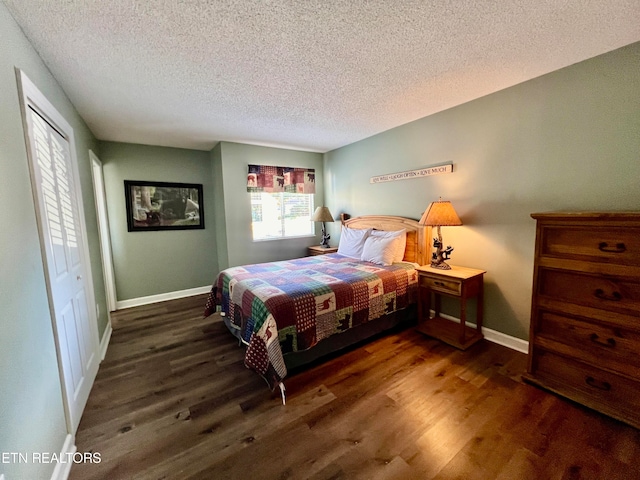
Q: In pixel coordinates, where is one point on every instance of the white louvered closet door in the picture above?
(68, 283)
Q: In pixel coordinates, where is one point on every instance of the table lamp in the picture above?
(322, 214)
(440, 214)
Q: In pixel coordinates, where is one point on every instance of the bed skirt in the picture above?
(340, 341)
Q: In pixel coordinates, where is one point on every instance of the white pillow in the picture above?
(378, 250)
(400, 241)
(352, 241)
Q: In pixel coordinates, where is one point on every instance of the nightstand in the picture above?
(459, 282)
(320, 250)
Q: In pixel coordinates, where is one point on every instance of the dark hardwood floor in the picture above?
(173, 400)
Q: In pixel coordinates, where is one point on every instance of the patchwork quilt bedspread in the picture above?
(288, 306)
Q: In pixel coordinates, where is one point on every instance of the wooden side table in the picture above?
(459, 282)
(320, 250)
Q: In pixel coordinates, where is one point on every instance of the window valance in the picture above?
(268, 178)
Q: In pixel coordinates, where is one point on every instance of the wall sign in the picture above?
(421, 172)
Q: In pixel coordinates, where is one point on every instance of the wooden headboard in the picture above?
(417, 249)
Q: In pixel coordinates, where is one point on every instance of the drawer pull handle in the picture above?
(614, 297)
(592, 382)
(440, 284)
(619, 247)
(610, 342)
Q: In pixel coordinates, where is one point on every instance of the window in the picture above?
(281, 215)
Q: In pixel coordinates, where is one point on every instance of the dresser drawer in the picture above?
(450, 286)
(588, 382)
(615, 348)
(593, 243)
(607, 293)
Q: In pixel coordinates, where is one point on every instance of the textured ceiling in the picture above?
(306, 74)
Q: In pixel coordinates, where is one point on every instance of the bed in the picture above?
(290, 313)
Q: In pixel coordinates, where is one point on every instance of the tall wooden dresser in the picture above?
(584, 341)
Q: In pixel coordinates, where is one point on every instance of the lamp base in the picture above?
(441, 266)
(440, 255)
(325, 238)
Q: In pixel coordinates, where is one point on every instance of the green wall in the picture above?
(156, 262)
(152, 263)
(569, 140)
(31, 411)
(234, 159)
(219, 218)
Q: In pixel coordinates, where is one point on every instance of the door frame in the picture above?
(32, 98)
(102, 214)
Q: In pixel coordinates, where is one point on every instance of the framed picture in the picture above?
(163, 206)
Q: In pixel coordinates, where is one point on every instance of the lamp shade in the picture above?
(440, 213)
(322, 214)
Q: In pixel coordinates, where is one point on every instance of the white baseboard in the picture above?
(494, 336)
(62, 470)
(505, 340)
(106, 338)
(162, 297)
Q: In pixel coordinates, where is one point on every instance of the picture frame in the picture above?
(153, 206)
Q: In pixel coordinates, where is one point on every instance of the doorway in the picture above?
(103, 227)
